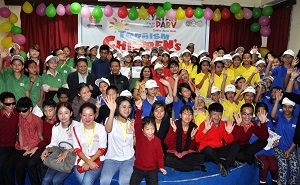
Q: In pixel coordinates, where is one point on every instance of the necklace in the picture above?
(89, 139)
(124, 130)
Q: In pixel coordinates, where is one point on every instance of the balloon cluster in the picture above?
(263, 20)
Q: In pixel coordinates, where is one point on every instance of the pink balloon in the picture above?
(19, 39)
(108, 11)
(170, 14)
(247, 13)
(265, 31)
(85, 12)
(208, 14)
(264, 20)
(40, 10)
(60, 10)
(5, 12)
(68, 11)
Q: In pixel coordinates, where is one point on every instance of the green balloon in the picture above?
(160, 12)
(133, 13)
(255, 27)
(167, 5)
(267, 11)
(50, 11)
(16, 30)
(256, 12)
(23, 54)
(198, 13)
(235, 8)
(97, 13)
(75, 8)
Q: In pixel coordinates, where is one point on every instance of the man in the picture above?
(100, 67)
(116, 78)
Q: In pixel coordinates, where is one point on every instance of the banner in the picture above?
(124, 34)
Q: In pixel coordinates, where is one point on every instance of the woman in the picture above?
(89, 141)
(139, 87)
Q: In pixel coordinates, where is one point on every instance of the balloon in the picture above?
(108, 11)
(264, 20)
(160, 12)
(170, 14)
(247, 13)
(10, 34)
(235, 8)
(41, 8)
(93, 20)
(75, 8)
(263, 51)
(239, 15)
(180, 14)
(208, 14)
(256, 12)
(151, 10)
(7, 42)
(167, 5)
(27, 7)
(13, 18)
(255, 27)
(68, 11)
(50, 11)
(143, 14)
(133, 13)
(5, 12)
(60, 10)
(5, 27)
(225, 14)
(23, 54)
(16, 30)
(19, 39)
(267, 11)
(198, 13)
(85, 12)
(123, 12)
(265, 31)
(217, 15)
(97, 13)
(189, 12)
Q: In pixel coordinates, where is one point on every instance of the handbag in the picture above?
(80, 161)
(64, 166)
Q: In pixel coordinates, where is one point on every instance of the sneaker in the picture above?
(258, 163)
(223, 170)
(201, 167)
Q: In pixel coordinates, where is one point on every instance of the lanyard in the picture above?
(89, 139)
(124, 130)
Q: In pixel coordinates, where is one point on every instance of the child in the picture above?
(186, 63)
(148, 150)
(173, 67)
(154, 52)
(67, 52)
(261, 65)
(203, 76)
(240, 50)
(227, 66)
(35, 55)
(174, 56)
(93, 52)
(128, 59)
(145, 57)
(157, 76)
(200, 112)
(236, 65)
(165, 61)
(260, 89)
(247, 69)
(219, 63)
(79, 52)
(220, 51)
(239, 82)
(228, 103)
(247, 96)
(116, 78)
(62, 67)
(102, 83)
(203, 53)
(186, 79)
(269, 81)
(63, 95)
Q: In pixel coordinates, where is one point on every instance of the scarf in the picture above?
(179, 136)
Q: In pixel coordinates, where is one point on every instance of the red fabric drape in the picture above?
(49, 33)
(280, 22)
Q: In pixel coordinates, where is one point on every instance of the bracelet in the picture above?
(291, 79)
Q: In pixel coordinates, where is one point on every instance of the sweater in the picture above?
(47, 133)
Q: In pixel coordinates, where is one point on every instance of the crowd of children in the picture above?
(183, 110)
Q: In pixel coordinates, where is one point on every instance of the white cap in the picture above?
(262, 83)
(205, 59)
(257, 53)
(153, 59)
(203, 51)
(158, 66)
(239, 77)
(17, 57)
(146, 53)
(79, 45)
(202, 98)
(174, 55)
(195, 55)
(250, 89)
(227, 57)
(269, 77)
(98, 81)
(150, 84)
(14, 45)
(165, 52)
(287, 101)
(125, 93)
(125, 53)
(186, 51)
(93, 46)
(52, 57)
(260, 62)
(236, 55)
(289, 52)
(214, 89)
(137, 58)
(220, 59)
(230, 88)
(239, 48)
(172, 50)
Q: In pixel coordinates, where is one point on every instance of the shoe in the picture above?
(223, 170)
(201, 167)
(258, 163)
(274, 182)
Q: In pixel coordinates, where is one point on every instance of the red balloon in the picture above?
(225, 14)
(151, 10)
(189, 12)
(22, 47)
(123, 12)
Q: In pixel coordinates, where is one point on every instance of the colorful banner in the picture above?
(124, 34)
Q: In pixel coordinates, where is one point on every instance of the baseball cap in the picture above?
(78, 45)
(203, 52)
(269, 77)
(214, 89)
(93, 46)
(239, 48)
(204, 59)
(287, 101)
(52, 57)
(250, 89)
(230, 88)
(137, 58)
(125, 53)
(146, 53)
(260, 62)
(153, 59)
(220, 59)
(195, 55)
(238, 78)
(165, 53)
(174, 55)
(236, 55)
(17, 57)
(158, 66)
(98, 81)
(289, 52)
(257, 53)
(150, 84)
(186, 51)
(172, 50)
(227, 57)
(262, 83)
(125, 93)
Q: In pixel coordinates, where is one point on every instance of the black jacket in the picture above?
(120, 81)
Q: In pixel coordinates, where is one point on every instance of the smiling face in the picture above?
(287, 110)
(247, 59)
(88, 116)
(215, 117)
(115, 67)
(247, 114)
(33, 53)
(17, 66)
(236, 62)
(85, 93)
(248, 96)
(64, 115)
(125, 109)
(186, 57)
(186, 116)
(148, 130)
(102, 87)
(52, 64)
(159, 113)
(82, 67)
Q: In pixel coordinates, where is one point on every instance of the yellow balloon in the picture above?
(27, 7)
(13, 18)
(7, 42)
(217, 15)
(143, 13)
(239, 15)
(180, 14)
(264, 51)
(5, 27)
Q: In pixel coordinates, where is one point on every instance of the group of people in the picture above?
(185, 109)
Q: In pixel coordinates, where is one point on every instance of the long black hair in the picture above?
(158, 104)
(68, 106)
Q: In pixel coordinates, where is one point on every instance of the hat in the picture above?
(93, 46)
(239, 48)
(190, 44)
(52, 57)
(82, 58)
(98, 81)
(154, 48)
(18, 57)
(205, 59)
(289, 52)
(287, 101)
(153, 59)
(125, 93)
(257, 53)
(14, 45)
(260, 62)
(172, 50)
(158, 66)
(186, 51)
(269, 77)
(79, 45)
(137, 58)
(165, 52)
(220, 59)
(173, 55)
(214, 89)
(250, 89)
(262, 83)
(195, 55)
(236, 55)
(229, 88)
(145, 53)
(202, 98)
(160, 47)
(203, 52)
(238, 77)
(150, 84)
(227, 57)
(125, 53)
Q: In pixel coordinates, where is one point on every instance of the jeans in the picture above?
(54, 177)
(88, 177)
(111, 167)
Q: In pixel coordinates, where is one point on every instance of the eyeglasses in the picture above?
(23, 110)
(9, 104)
(247, 114)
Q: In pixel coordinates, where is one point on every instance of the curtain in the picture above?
(49, 33)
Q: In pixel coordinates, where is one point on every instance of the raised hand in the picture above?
(197, 92)
(256, 71)
(244, 86)
(111, 104)
(193, 133)
(278, 95)
(225, 73)
(143, 96)
(4, 53)
(270, 58)
(290, 70)
(295, 73)
(211, 80)
(139, 104)
(229, 127)
(254, 49)
(173, 125)
(215, 55)
(164, 82)
(262, 116)
(238, 118)
(177, 77)
(295, 61)
(208, 124)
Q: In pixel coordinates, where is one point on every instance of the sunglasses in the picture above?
(9, 104)
(23, 110)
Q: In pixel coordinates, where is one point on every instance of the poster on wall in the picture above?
(124, 34)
